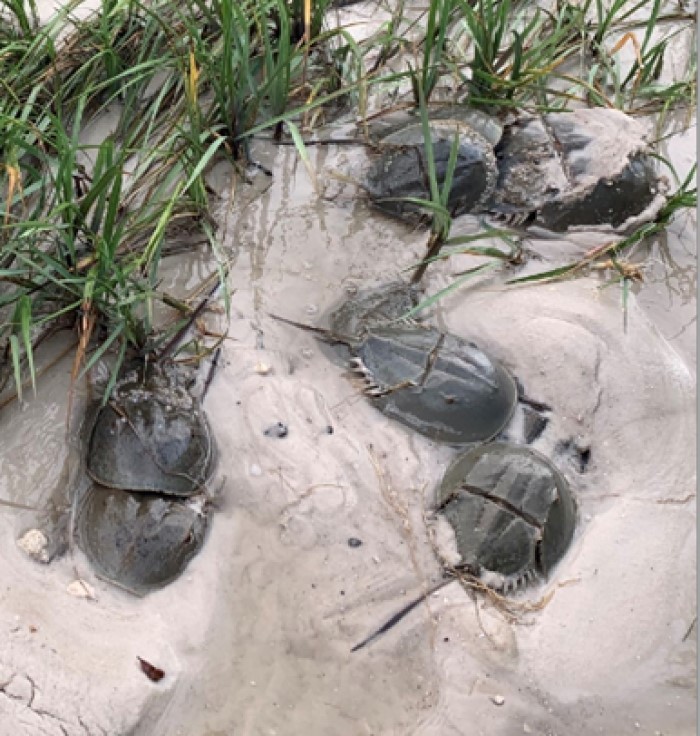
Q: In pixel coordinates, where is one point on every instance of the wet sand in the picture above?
(255, 638)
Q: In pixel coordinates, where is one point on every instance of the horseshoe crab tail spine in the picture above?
(390, 623)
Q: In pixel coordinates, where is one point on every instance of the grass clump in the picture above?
(84, 226)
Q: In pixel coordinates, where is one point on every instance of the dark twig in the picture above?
(690, 629)
(194, 314)
(210, 374)
(434, 244)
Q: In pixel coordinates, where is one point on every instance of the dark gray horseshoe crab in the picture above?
(151, 436)
(150, 453)
(401, 172)
(511, 511)
(437, 384)
(511, 516)
(587, 168)
(139, 541)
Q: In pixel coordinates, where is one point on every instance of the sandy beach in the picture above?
(255, 638)
(316, 538)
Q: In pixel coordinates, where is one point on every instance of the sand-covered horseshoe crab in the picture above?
(152, 436)
(511, 512)
(588, 168)
(150, 454)
(440, 385)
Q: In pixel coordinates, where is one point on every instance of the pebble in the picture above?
(498, 700)
(35, 544)
(354, 542)
(279, 430)
(255, 470)
(263, 369)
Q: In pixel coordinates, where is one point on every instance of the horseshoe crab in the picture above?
(511, 512)
(588, 168)
(402, 171)
(140, 541)
(151, 436)
(149, 454)
(435, 383)
(510, 517)
(440, 385)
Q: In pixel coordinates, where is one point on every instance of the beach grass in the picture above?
(84, 225)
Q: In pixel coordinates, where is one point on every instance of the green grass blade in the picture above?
(550, 275)
(24, 312)
(466, 276)
(15, 352)
(303, 153)
(102, 349)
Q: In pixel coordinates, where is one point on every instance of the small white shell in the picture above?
(81, 589)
